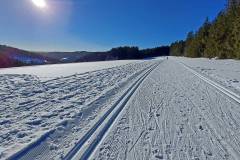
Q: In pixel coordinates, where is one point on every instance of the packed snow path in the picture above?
(154, 109)
(44, 120)
(175, 115)
(225, 72)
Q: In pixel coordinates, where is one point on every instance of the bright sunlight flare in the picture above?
(40, 3)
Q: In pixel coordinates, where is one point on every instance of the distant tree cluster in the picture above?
(126, 52)
(134, 52)
(219, 38)
(13, 57)
(177, 48)
(155, 52)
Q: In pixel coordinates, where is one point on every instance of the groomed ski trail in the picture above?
(175, 115)
(86, 146)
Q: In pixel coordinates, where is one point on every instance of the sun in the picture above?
(40, 3)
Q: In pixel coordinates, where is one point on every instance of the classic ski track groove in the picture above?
(27, 151)
(227, 93)
(220, 88)
(118, 106)
(182, 118)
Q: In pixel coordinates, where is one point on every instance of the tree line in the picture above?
(13, 57)
(219, 38)
(124, 53)
(135, 53)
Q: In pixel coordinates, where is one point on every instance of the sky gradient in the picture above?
(96, 25)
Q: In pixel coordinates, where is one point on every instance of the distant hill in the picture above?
(13, 57)
(64, 57)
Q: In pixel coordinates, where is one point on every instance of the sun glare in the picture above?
(40, 3)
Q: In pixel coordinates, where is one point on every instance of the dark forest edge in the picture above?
(219, 38)
(13, 57)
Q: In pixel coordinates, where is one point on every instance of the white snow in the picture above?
(173, 114)
(47, 72)
(1, 151)
(31, 111)
(225, 72)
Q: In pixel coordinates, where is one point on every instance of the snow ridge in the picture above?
(220, 88)
(104, 123)
(53, 115)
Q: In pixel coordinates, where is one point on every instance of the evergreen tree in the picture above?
(233, 39)
(217, 38)
(233, 3)
(177, 48)
(220, 38)
(202, 38)
(192, 48)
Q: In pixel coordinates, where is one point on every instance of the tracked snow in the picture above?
(175, 115)
(48, 117)
(48, 72)
(225, 72)
(152, 109)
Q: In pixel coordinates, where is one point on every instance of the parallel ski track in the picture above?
(104, 123)
(220, 88)
(225, 92)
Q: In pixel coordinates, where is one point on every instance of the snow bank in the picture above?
(30, 108)
(47, 72)
(225, 72)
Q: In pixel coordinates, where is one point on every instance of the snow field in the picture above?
(184, 109)
(44, 118)
(175, 115)
(225, 72)
(49, 72)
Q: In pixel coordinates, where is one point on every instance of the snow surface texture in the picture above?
(48, 72)
(174, 115)
(225, 72)
(46, 118)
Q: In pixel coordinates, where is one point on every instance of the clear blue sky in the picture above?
(69, 25)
